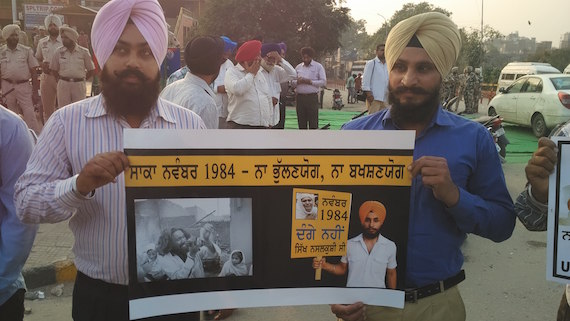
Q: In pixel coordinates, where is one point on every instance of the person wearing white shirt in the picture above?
(219, 87)
(203, 56)
(277, 71)
(370, 258)
(249, 96)
(375, 81)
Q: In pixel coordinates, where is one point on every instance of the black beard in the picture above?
(12, 42)
(405, 114)
(370, 236)
(54, 33)
(124, 100)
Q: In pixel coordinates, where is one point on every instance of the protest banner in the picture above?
(216, 218)
(558, 243)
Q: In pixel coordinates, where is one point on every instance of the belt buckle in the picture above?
(415, 296)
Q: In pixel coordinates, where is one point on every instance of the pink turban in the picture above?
(112, 18)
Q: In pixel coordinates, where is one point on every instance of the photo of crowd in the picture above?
(192, 238)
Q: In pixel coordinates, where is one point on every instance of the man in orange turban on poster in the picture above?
(372, 256)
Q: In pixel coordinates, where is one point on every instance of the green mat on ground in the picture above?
(522, 142)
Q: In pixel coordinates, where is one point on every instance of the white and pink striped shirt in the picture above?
(72, 136)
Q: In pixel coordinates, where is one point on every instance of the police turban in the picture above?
(437, 34)
(52, 19)
(372, 206)
(69, 32)
(9, 30)
(110, 21)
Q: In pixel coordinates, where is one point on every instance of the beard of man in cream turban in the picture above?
(142, 29)
(437, 35)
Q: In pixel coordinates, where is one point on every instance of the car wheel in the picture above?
(539, 126)
(491, 111)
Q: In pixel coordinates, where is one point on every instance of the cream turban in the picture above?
(52, 19)
(372, 206)
(306, 195)
(69, 32)
(9, 30)
(436, 32)
(112, 18)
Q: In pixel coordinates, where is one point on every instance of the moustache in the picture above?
(131, 72)
(411, 90)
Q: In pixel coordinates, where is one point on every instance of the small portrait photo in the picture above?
(306, 206)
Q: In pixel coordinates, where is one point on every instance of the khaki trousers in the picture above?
(20, 102)
(48, 90)
(446, 306)
(375, 106)
(69, 92)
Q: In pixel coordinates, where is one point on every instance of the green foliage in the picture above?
(353, 39)
(315, 23)
(558, 58)
(478, 52)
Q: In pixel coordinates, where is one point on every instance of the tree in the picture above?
(353, 39)
(558, 58)
(476, 50)
(408, 10)
(315, 23)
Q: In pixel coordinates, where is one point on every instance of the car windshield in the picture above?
(561, 83)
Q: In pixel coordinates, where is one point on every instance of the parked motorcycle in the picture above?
(494, 125)
(337, 100)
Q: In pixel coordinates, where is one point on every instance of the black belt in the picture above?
(72, 79)
(15, 82)
(307, 94)
(413, 295)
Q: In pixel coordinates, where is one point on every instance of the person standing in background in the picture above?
(375, 81)
(219, 88)
(44, 53)
(71, 65)
(311, 77)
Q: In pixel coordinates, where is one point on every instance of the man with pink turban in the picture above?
(370, 258)
(458, 185)
(76, 170)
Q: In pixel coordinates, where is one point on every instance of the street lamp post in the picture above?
(385, 23)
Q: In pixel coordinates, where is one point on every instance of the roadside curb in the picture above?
(57, 272)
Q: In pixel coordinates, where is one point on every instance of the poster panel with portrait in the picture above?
(212, 215)
(558, 244)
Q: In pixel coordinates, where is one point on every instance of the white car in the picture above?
(537, 101)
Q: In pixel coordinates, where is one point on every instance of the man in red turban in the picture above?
(250, 105)
(372, 256)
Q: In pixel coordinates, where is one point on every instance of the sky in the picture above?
(550, 19)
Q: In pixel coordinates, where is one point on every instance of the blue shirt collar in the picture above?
(441, 118)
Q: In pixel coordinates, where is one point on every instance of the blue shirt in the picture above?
(485, 208)
(16, 238)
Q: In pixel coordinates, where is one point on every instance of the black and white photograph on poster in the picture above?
(306, 206)
(187, 238)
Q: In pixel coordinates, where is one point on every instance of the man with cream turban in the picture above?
(370, 257)
(17, 68)
(71, 65)
(44, 53)
(458, 185)
(76, 169)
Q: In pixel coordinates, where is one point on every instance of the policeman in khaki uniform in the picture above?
(44, 52)
(17, 66)
(71, 64)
